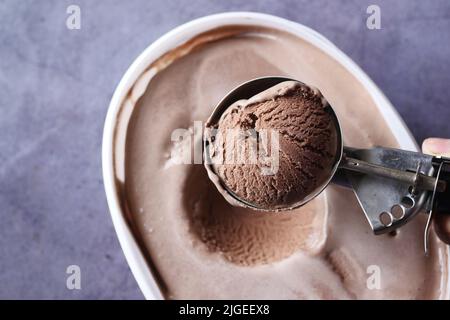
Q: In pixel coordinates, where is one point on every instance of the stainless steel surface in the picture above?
(431, 210)
(416, 179)
(381, 196)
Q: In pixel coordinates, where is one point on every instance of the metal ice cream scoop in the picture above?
(391, 185)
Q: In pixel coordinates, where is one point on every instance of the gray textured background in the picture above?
(55, 86)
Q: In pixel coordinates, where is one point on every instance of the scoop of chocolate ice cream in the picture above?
(275, 149)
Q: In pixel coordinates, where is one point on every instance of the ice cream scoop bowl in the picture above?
(391, 185)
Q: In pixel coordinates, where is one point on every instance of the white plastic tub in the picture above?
(174, 38)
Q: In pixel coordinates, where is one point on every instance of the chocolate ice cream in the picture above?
(197, 245)
(275, 149)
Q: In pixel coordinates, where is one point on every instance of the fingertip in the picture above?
(436, 146)
(426, 145)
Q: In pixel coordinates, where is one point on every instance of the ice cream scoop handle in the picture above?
(419, 180)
